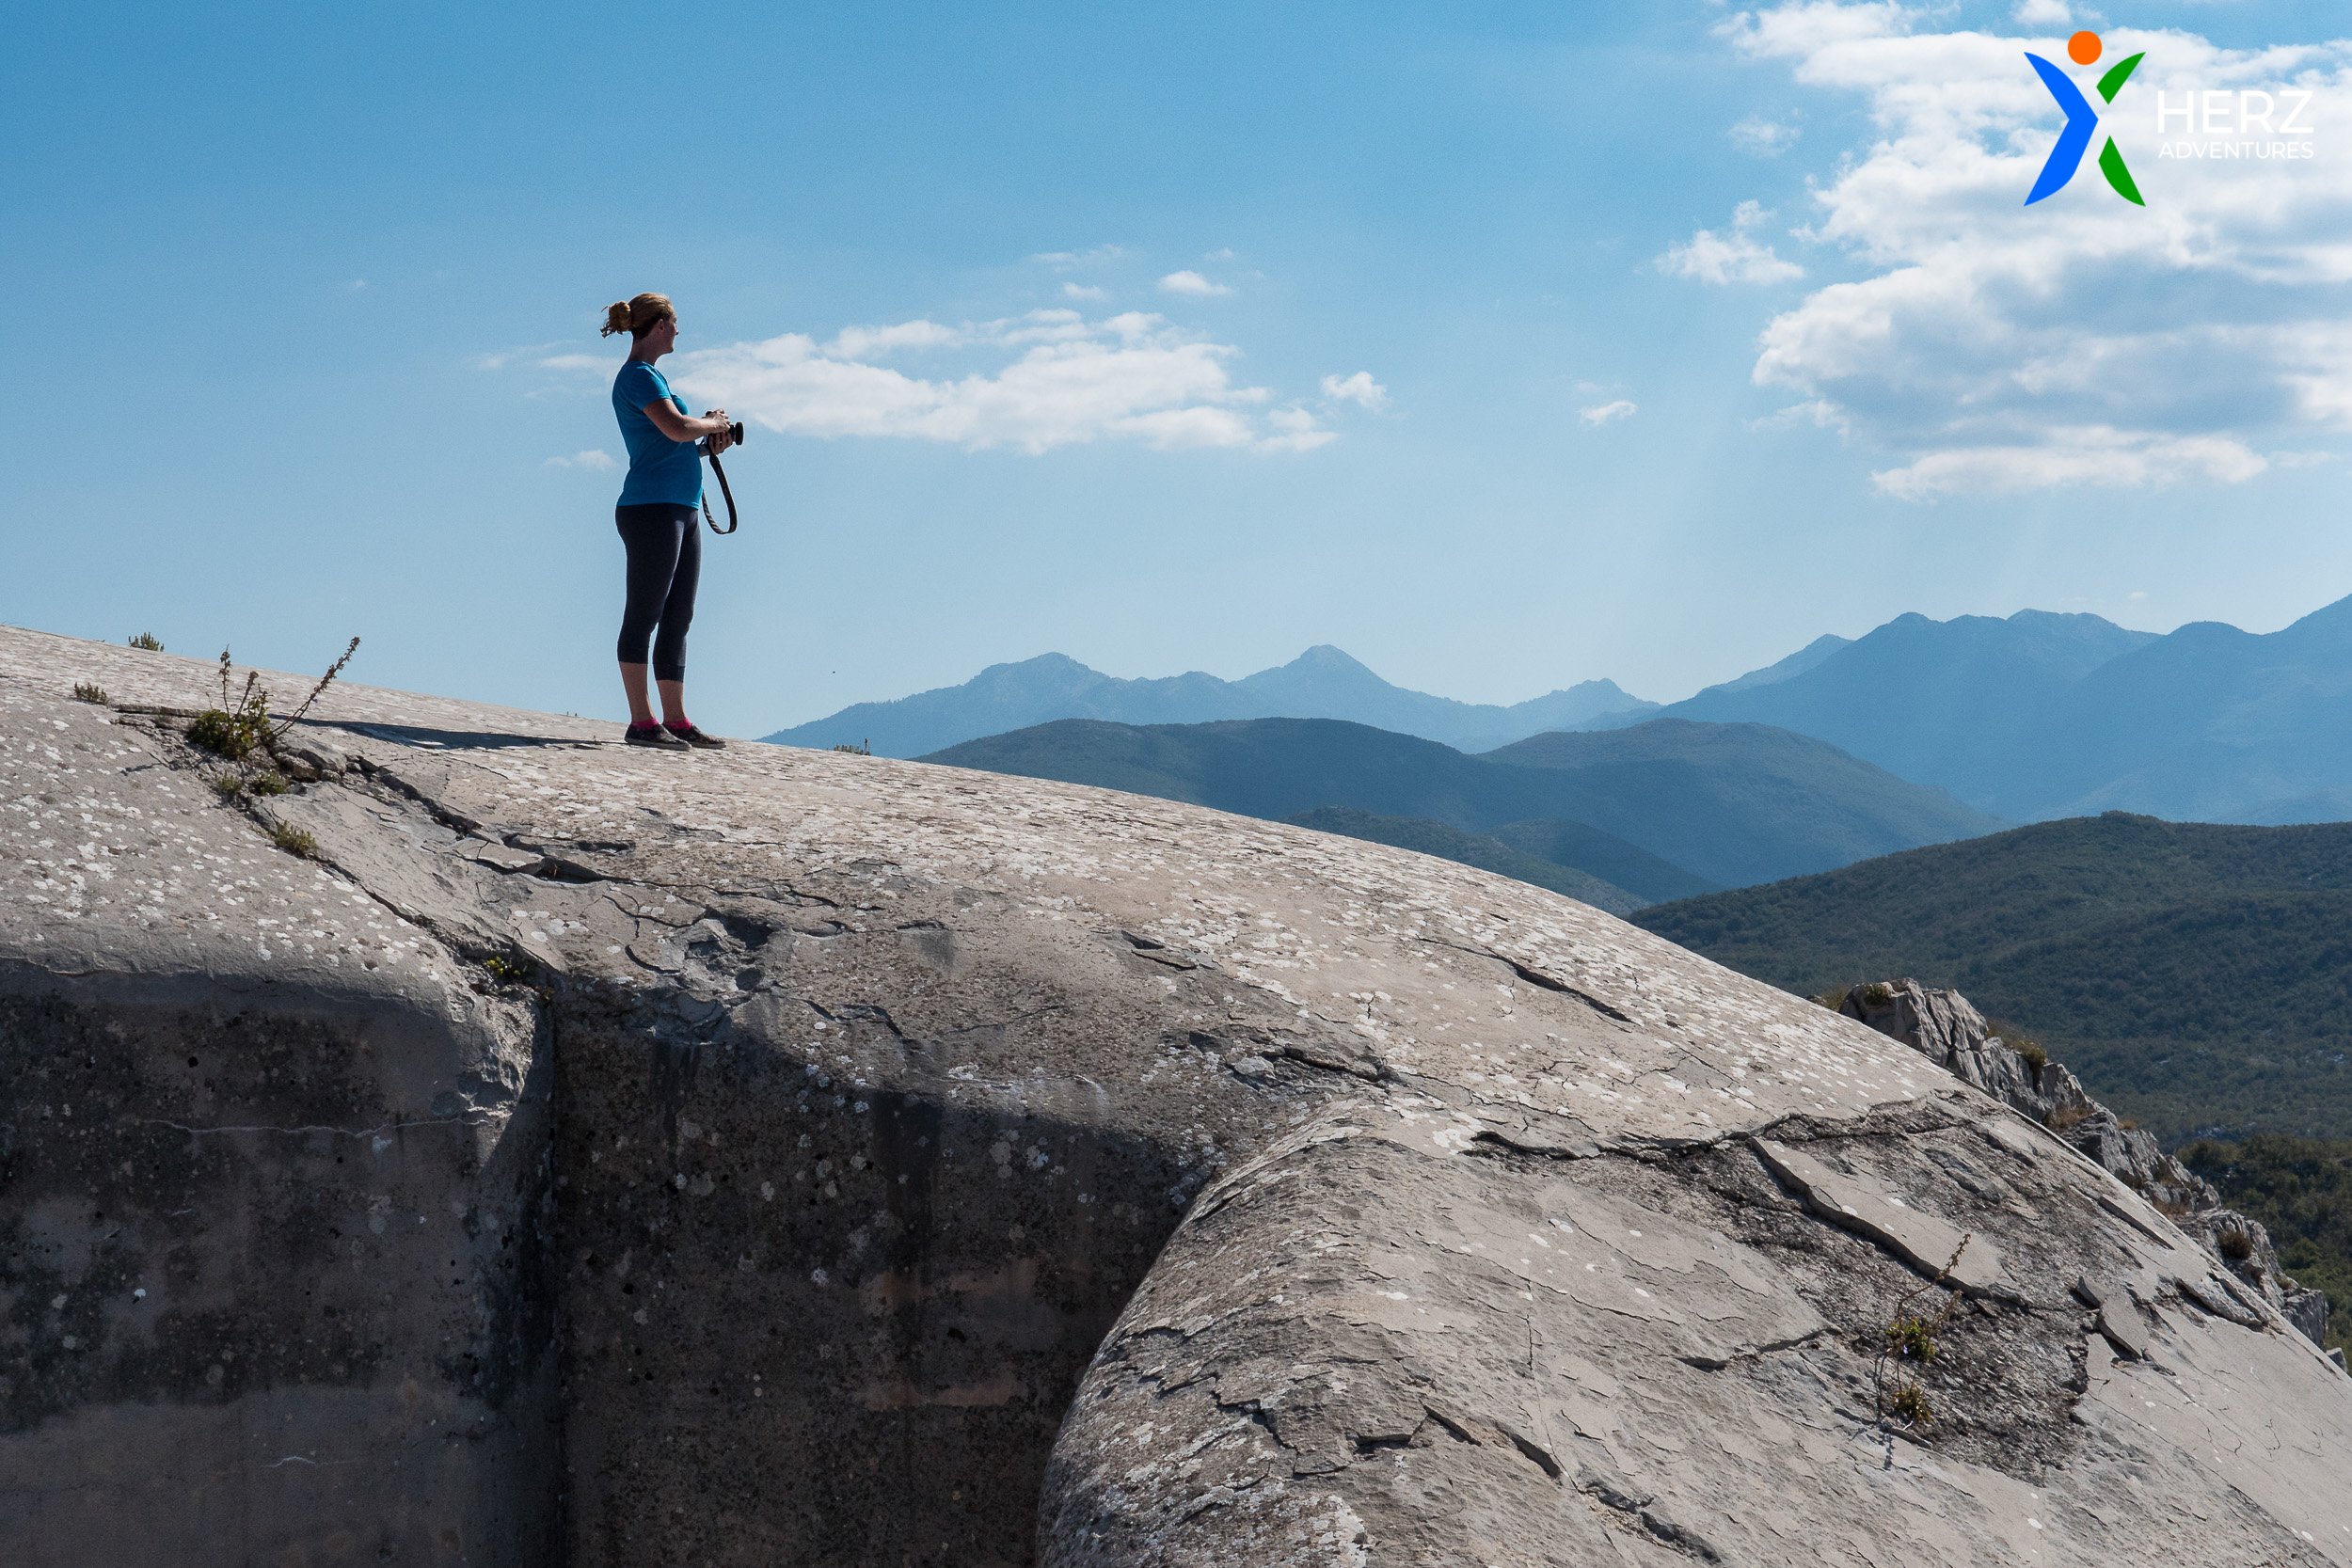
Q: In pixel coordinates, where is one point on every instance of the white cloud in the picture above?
(1063, 261)
(1990, 347)
(1357, 388)
(1048, 379)
(1608, 413)
(1192, 285)
(1084, 291)
(1765, 138)
(502, 358)
(2080, 454)
(2043, 13)
(864, 342)
(597, 460)
(1296, 430)
(1820, 413)
(1732, 258)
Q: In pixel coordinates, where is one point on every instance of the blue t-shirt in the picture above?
(659, 469)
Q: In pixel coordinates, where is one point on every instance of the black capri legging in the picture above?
(665, 562)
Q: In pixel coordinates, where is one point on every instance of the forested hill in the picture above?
(1726, 804)
(2196, 977)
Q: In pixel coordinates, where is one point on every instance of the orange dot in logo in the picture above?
(2083, 48)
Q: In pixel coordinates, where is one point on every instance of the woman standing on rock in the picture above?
(656, 516)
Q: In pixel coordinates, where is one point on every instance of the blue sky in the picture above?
(1170, 339)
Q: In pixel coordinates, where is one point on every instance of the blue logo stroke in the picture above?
(2081, 121)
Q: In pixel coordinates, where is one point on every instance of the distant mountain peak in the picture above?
(1327, 655)
(1322, 682)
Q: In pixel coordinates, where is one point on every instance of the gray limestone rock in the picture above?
(777, 1157)
(1941, 1025)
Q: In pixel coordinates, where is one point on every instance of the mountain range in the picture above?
(2197, 977)
(1659, 809)
(2042, 716)
(1321, 682)
(2031, 717)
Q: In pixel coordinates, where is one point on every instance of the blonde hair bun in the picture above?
(634, 316)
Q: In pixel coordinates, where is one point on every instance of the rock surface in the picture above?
(780, 1157)
(1942, 1025)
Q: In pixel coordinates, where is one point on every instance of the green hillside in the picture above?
(1725, 804)
(1743, 796)
(2301, 1190)
(1604, 855)
(2198, 978)
(1488, 854)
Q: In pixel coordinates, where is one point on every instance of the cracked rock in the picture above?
(828, 1159)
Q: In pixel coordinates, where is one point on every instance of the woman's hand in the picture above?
(713, 427)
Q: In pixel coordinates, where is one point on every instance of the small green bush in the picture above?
(85, 692)
(269, 783)
(237, 728)
(295, 841)
(862, 749)
(229, 786)
(1878, 993)
(1912, 1338)
(146, 642)
(1909, 1402)
(232, 733)
(2021, 1043)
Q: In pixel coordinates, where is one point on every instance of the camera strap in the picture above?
(723, 490)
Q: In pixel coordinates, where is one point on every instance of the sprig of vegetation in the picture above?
(1914, 1339)
(862, 749)
(325, 681)
(241, 730)
(86, 693)
(236, 729)
(146, 642)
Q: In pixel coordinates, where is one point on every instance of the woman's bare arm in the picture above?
(712, 426)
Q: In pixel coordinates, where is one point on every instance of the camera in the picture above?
(734, 436)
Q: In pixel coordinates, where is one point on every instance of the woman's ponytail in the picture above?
(634, 316)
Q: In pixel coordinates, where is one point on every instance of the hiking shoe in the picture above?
(694, 736)
(654, 737)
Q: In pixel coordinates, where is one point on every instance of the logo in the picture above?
(2082, 120)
